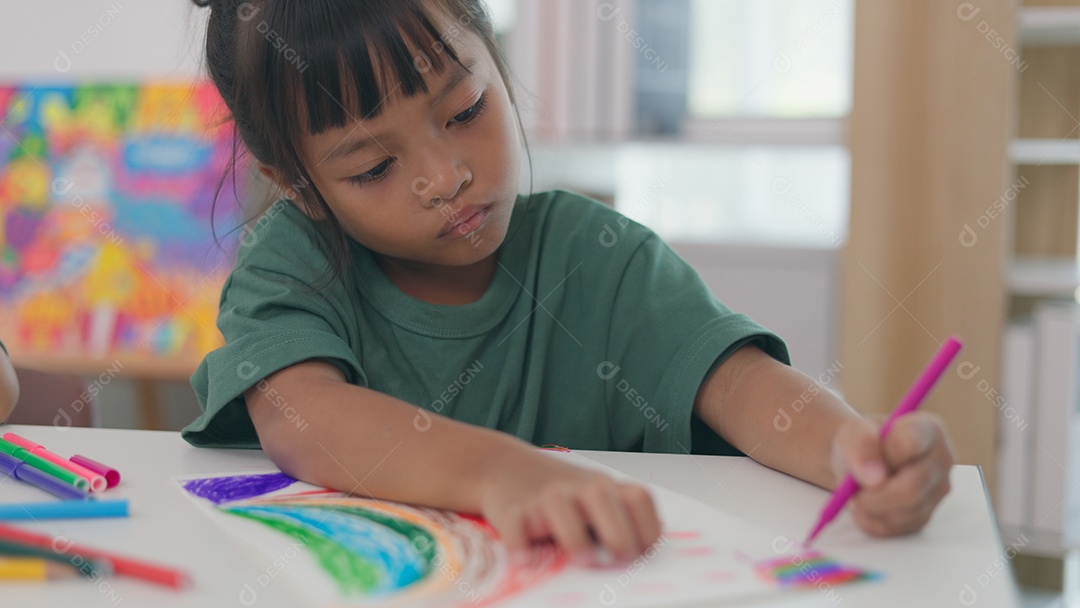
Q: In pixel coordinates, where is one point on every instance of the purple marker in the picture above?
(908, 404)
(9, 465)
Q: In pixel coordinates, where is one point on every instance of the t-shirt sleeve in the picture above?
(270, 320)
(668, 332)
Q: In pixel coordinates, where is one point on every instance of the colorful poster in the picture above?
(106, 245)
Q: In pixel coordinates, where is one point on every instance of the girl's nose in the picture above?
(447, 175)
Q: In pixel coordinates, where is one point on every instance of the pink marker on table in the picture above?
(112, 476)
(908, 404)
(97, 481)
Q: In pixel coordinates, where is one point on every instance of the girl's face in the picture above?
(432, 179)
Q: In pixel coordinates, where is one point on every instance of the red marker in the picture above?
(162, 575)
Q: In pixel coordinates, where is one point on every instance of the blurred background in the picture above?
(863, 177)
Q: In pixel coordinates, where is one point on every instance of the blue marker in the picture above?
(64, 509)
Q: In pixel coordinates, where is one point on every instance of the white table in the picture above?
(953, 562)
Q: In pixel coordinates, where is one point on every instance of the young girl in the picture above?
(404, 325)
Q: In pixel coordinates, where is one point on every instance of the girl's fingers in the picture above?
(639, 503)
(511, 526)
(912, 438)
(903, 505)
(893, 523)
(907, 488)
(566, 521)
(536, 528)
(608, 516)
(857, 450)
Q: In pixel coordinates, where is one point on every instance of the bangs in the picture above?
(324, 54)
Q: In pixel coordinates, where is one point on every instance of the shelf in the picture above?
(1045, 151)
(104, 368)
(1043, 276)
(1049, 25)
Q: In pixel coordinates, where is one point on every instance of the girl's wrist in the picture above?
(503, 455)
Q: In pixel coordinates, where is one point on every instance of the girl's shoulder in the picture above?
(280, 237)
(572, 218)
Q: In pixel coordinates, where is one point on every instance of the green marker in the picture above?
(90, 568)
(44, 466)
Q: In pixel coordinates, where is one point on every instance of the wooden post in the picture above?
(929, 133)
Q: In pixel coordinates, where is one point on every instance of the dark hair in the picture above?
(289, 67)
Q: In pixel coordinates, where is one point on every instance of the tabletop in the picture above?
(959, 559)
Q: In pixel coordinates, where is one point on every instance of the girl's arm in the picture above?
(358, 440)
(9, 386)
(785, 420)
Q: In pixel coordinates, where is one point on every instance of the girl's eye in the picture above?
(374, 175)
(474, 110)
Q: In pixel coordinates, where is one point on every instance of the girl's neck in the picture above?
(448, 285)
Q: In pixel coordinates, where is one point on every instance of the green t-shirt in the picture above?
(592, 335)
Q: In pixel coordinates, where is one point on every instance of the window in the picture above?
(704, 119)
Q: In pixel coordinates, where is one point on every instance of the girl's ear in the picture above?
(275, 178)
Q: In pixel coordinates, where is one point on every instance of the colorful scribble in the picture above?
(352, 550)
(810, 569)
(105, 210)
(371, 549)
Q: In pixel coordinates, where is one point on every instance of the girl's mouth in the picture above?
(469, 220)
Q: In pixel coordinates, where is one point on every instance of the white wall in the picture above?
(107, 39)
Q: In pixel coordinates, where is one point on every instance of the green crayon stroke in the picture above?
(354, 574)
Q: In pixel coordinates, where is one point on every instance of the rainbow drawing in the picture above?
(106, 245)
(370, 550)
(334, 548)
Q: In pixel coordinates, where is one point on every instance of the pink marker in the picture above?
(112, 476)
(908, 404)
(97, 481)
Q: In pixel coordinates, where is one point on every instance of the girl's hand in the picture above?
(533, 498)
(902, 478)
